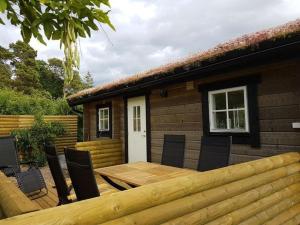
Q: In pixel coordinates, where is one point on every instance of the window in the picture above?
(136, 118)
(104, 120)
(228, 110)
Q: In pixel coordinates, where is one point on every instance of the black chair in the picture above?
(81, 173)
(9, 160)
(173, 150)
(214, 153)
(29, 181)
(63, 190)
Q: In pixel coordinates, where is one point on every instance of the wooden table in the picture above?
(141, 173)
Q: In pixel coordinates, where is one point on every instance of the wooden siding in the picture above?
(103, 152)
(11, 122)
(278, 102)
(181, 113)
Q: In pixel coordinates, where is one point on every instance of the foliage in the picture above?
(20, 70)
(31, 141)
(26, 76)
(50, 81)
(16, 103)
(88, 80)
(5, 71)
(62, 20)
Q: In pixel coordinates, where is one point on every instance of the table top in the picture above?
(141, 173)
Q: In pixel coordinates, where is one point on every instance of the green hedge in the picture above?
(16, 103)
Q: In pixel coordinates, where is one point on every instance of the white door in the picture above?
(137, 140)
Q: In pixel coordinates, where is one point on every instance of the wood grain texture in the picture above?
(106, 152)
(11, 122)
(142, 173)
(14, 202)
(230, 195)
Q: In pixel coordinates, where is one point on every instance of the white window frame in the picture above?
(102, 119)
(211, 111)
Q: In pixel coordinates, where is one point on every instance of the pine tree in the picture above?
(88, 80)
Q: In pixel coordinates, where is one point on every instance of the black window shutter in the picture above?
(253, 115)
(205, 112)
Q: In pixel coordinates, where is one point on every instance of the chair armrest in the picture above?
(28, 162)
(5, 167)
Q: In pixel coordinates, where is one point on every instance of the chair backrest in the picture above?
(214, 153)
(173, 150)
(57, 174)
(81, 173)
(9, 155)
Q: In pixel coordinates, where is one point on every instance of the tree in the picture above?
(26, 76)
(51, 81)
(88, 80)
(5, 70)
(62, 20)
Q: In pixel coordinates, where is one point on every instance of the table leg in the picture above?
(117, 186)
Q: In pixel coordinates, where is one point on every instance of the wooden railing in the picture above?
(11, 122)
(266, 191)
(12, 201)
(103, 152)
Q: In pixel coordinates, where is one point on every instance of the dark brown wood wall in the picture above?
(90, 123)
(181, 113)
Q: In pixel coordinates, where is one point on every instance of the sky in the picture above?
(150, 33)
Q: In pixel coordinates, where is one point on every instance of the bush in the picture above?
(30, 141)
(16, 103)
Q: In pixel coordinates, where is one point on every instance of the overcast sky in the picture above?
(150, 33)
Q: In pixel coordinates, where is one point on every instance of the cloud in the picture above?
(152, 33)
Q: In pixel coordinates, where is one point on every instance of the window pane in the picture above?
(101, 125)
(220, 120)
(138, 113)
(138, 121)
(106, 126)
(105, 113)
(237, 119)
(236, 99)
(219, 101)
(134, 118)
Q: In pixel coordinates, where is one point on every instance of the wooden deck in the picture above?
(51, 200)
(46, 201)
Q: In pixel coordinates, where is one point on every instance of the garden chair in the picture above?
(29, 181)
(81, 173)
(214, 152)
(62, 188)
(173, 150)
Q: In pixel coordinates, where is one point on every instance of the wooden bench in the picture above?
(262, 191)
(103, 153)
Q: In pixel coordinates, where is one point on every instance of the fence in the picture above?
(11, 122)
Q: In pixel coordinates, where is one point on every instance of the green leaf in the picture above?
(3, 5)
(48, 28)
(1, 21)
(92, 25)
(26, 33)
(87, 29)
(40, 38)
(56, 35)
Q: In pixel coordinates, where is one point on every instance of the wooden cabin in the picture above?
(247, 88)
